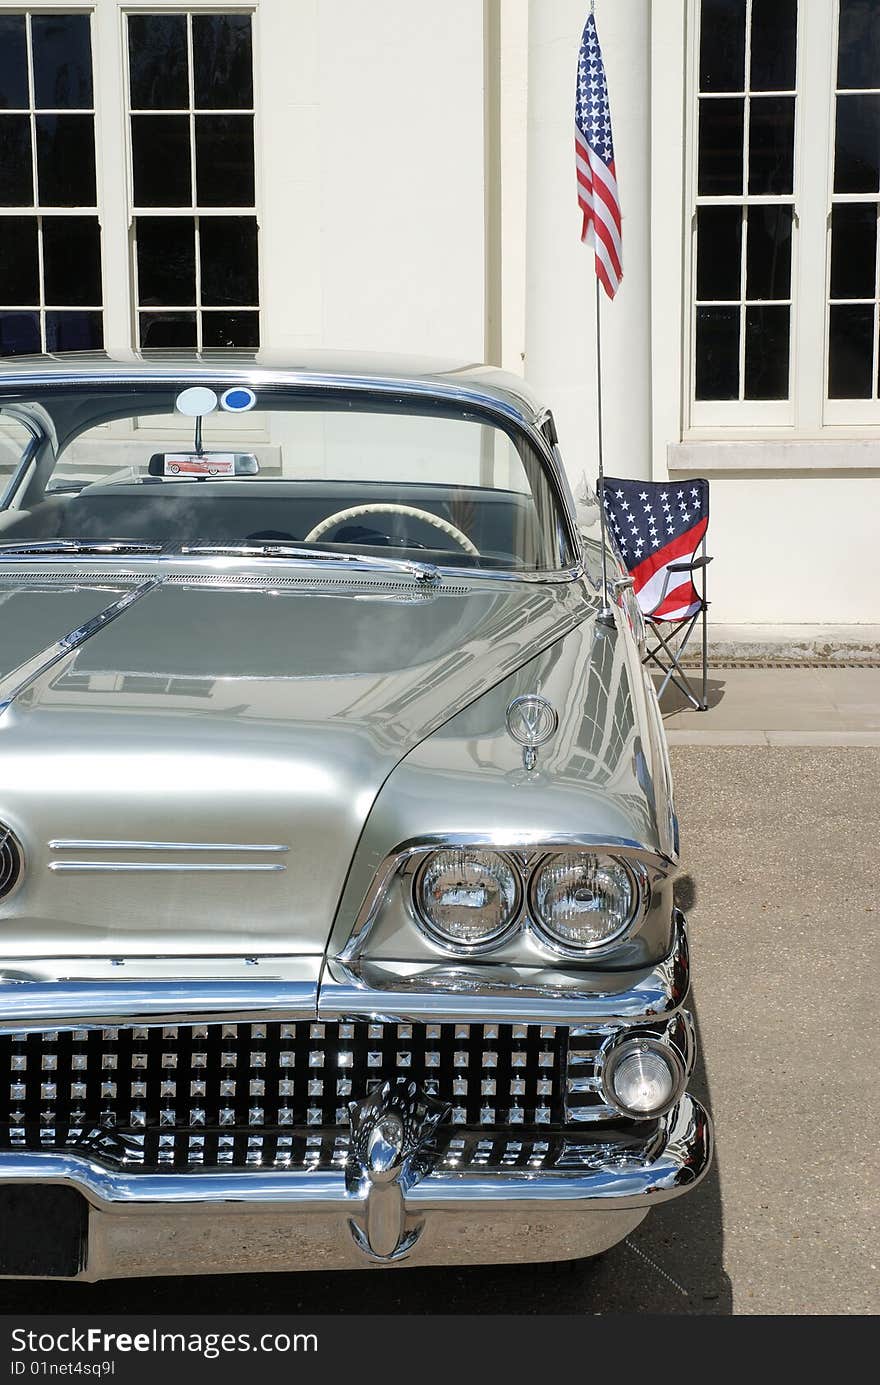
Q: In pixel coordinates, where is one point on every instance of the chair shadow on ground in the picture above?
(674, 701)
(671, 1263)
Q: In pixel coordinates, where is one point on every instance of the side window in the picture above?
(14, 438)
(51, 296)
(192, 194)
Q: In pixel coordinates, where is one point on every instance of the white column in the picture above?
(560, 290)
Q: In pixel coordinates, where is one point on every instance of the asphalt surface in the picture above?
(779, 869)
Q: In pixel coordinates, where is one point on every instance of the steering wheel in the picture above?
(355, 511)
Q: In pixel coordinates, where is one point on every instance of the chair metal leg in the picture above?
(673, 671)
(705, 706)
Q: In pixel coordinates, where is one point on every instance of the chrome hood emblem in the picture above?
(531, 721)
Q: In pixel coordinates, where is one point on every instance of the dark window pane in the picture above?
(767, 352)
(157, 61)
(858, 50)
(225, 160)
(19, 262)
(853, 249)
(168, 331)
(72, 259)
(166, 260)
(62, 61)
(774, 45)
(768, 252)
(722, 45)
(160, 156)
(13, 63)
(66, 160)
(719, 252)
(771, 144)
(19, 334)
(721, 147)
(229, 260)
(857, 145)
(230, 329)
(74, 331)
(222, 66)
(16, 167)
(850, 350)
(717, 353)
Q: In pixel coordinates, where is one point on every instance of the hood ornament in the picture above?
(531, 721)
(390, 1149)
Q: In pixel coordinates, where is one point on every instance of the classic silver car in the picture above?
(336, 832)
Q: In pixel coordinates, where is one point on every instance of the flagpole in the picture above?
(606, 614)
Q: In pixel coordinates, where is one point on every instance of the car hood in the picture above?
(193, 779)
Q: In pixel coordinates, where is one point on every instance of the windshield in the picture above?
(168, 469)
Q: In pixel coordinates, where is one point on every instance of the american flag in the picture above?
(594, 156)
(656, 523)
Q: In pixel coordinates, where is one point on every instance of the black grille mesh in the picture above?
(256, 1094)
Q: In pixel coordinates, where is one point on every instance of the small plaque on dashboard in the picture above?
(191, 464)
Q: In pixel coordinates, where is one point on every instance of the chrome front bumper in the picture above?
(225, 1223)
(558, 1195)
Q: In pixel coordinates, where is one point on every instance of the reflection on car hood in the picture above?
(226, 717)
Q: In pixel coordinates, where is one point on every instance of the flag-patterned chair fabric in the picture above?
(659, 531)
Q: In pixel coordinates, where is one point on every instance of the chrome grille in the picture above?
(273, 1095)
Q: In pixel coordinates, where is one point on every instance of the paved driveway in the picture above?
(779, 871)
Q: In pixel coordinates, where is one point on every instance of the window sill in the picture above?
(775, 457)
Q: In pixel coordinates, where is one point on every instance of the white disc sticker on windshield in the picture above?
(196, 401)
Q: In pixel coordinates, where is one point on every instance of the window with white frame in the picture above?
(853, 284)
(50, 238)
(784, 320)
(745, 184)
(193, 197)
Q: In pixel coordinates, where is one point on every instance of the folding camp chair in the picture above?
(659, 530)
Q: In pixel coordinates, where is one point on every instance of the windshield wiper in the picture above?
(423, 572)
(79, 546)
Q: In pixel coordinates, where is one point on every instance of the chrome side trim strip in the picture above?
(21, 678)
(131, 867)
(380, 993)
(63, 1005)
(75, 844)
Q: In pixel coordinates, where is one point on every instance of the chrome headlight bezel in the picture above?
(639, 896)
(411, 861)
(457, 946)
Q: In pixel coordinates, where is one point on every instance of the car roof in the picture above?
(472, 381)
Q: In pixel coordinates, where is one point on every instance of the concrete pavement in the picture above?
(779, 706)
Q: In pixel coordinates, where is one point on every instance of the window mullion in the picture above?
(816, 64)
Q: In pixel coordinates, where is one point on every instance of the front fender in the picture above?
(602, 776)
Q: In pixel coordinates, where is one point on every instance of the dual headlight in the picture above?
(470, 898)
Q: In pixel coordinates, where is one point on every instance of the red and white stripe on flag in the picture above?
(599, 202)
(680, 599)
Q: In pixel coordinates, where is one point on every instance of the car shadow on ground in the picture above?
(671, 1263)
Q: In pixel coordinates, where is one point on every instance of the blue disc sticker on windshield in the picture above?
(238, 400)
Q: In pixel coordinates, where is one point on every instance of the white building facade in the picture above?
(399, 176)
